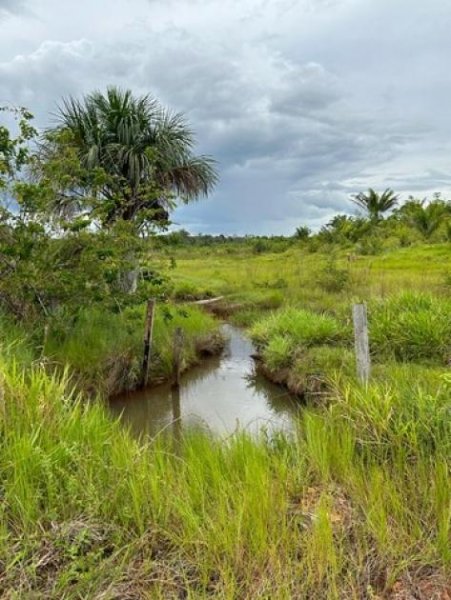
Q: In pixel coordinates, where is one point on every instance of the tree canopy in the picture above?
(131, 158)
(374, 204)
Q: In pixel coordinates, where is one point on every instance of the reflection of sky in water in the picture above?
(222, 395)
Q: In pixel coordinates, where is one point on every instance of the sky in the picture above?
(302, 102)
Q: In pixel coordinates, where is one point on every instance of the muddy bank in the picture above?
(308, 386)
(124, 376)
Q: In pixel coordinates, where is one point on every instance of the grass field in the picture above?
(302, 277)
(356, 505)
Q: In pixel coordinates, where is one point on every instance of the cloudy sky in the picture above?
(302, 102)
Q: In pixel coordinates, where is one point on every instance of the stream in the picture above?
(221, 395)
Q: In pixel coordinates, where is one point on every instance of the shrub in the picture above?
(333, 279)
(370, 245)
(260, 246)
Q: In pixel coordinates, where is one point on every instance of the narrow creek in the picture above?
(221, 395)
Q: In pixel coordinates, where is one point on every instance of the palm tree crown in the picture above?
(425, 217)
(146, 151)
(376, 204)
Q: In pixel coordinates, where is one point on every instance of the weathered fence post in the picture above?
(362, 347)
(148, 332)
(177, 354)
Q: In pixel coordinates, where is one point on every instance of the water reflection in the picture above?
(220, 395)
(176, 416)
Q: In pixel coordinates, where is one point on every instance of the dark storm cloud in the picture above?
(302, 102)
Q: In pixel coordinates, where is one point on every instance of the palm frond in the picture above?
(139, 143)
(375, 204)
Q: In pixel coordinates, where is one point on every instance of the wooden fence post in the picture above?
(362, 347)
(148, 333)
(178, 354)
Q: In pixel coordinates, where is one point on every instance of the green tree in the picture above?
(15, 151)
(344, 229)
(374, 204)
(115, 157)
(135, 158)
(425, 217)
(302, 233)
(50, 264)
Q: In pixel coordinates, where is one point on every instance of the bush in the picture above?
(332, 278)
(260, 246)
(370, 245)
(411, 326)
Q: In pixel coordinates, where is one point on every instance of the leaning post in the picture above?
(362, 346)
(148, 333)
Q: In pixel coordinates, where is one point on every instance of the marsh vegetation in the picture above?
(353, 503)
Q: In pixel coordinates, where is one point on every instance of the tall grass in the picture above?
(355, 505)
(104, 349)
(302, 327)
(303, 348)
(411, 326)
(87, 511)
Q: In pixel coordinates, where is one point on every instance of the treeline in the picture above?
(414, 221)
(258, 243)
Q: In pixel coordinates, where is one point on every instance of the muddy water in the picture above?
(221, 395)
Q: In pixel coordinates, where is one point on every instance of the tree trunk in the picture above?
(128, 279)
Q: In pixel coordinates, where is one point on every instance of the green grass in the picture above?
(412, 326)
(301, 327)
(302, 348)
(89, 512)
(356, 504)
(298, 276)
(104, 349)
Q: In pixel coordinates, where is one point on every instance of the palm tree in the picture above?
(145, 151)
(125, 158)
(426, 218)
(376, 204)
(302, 233)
